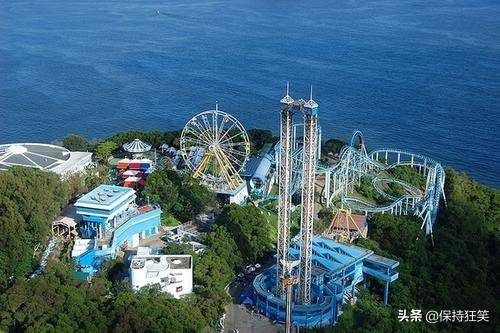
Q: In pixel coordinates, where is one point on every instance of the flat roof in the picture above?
(161, 262)
(181, 261)
(105, 197)
(331, 255)
(383, 261)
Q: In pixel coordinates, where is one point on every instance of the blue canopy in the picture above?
(247, 301)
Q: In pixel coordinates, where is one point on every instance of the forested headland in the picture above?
(460, 272)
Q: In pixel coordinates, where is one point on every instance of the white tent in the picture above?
(136, 147)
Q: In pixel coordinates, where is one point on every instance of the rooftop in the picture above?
(345, 220)
(159, 262)
(330, 255)
(251, 166)
(136, 146)
(39, 155)
(105, 196)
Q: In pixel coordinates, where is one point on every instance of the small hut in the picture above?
(64, 227)
(346, 227)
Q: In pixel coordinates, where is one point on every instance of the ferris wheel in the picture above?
(215, 147)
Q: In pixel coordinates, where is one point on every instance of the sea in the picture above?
(420, 75)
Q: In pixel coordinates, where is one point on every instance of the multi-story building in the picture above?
(111, 220)
(173, 273)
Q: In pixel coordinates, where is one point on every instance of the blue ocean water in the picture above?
(415, 74)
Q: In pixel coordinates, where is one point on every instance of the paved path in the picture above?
(241, 318)
(43, 261)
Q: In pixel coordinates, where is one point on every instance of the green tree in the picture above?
(154, 138)
(409, 175)
(332, 146)
(53, 302)
(258, 138)
(75, 142)
(75, 184)
(459, 272)
(30, 199)
(249, 228)
(105, 149)
(212, 271)
(178, 194)
(97, 176)
(160, 189)
(153, 311)
(223, 244)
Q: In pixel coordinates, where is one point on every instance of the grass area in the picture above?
(169, 221)
(408, 174)
(367, 191)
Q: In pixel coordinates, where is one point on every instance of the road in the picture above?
(240, 318)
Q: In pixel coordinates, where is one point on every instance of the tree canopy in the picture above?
(259, 137)
(249, 228)
(332, 146)
(75, 142)
(178, 194)
(30, 199)
(459, 273)
(105, 149)
(154, 138)
(56, 302)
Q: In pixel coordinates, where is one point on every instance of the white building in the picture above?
(43, 156)
(174, 273)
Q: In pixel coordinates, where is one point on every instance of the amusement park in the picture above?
(167, 204)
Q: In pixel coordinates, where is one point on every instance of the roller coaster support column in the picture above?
(310, 110)
(386, 292)
(285, 181)
(319, 143)
(326, 191)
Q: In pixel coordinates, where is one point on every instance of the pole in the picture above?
(288, 282)
(288, 318)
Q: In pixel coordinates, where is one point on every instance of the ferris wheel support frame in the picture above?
(217, 144)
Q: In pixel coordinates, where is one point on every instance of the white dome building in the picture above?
(44, 157)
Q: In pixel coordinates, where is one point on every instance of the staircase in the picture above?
(81, 246)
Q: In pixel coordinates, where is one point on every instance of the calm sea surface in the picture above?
(415, 74)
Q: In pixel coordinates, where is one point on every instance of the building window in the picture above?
(178, 289)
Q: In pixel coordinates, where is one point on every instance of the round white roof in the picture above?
(136, 146)
(16, 149)
(35, 155)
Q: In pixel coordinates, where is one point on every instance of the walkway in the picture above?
(240, 318)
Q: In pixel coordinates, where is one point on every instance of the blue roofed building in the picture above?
(337, 270)
(259, 174)
(102, 207)
(111, 220)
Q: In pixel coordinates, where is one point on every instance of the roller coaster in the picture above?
(355, 163)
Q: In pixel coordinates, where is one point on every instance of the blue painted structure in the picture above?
(146, 223)
(257, 172)
(260, 177)
(337, 270)
(102, 207)
(111, 218)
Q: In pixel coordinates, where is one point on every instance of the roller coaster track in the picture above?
(355, 162)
